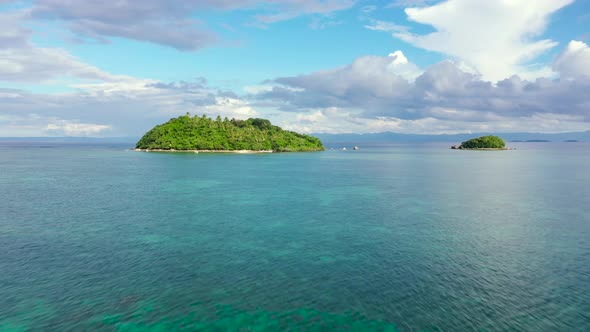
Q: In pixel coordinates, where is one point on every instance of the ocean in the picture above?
(392, 237)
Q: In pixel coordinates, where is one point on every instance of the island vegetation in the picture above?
(489, 142)
(200, 133)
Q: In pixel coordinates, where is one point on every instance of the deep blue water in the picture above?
(393, 237)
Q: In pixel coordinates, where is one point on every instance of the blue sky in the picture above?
(249, 53)
(90, 68)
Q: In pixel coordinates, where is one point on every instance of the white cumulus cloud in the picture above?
(497, 38)
(372, 95)
(574, 61)
(67, 128)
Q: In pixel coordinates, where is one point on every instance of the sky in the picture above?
(117, 68)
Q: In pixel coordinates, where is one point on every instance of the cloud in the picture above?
(167, 22)
(127, 108)
(366, 83)
(410, 3)
(497, 38)
(67, 128)
(40, 65)
(22, 61)
(574, 62)
(288, 9)
(293, 8)
(159, 22)
(334, 120)
(101, 103)
(376, 94)
(372, 94)
(12, 34)
(231, 108)
(377, 25)
(319, 23)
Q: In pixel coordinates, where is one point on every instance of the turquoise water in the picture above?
(391, 238)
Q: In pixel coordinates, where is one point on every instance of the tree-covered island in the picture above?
(200, 133)
(483, 143)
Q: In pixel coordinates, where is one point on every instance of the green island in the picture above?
(203, 134)
(489, 142)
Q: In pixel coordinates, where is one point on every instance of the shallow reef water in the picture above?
(387, 238)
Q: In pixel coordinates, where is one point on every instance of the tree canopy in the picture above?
(203, 133)
(484, 142)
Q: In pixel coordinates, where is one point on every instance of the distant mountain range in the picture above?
(390, 137)
(86, 140)
(385, 137)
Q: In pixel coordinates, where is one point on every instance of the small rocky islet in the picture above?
(489, 142)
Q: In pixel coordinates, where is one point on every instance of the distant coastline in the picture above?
(393, 137)
(532, 141)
